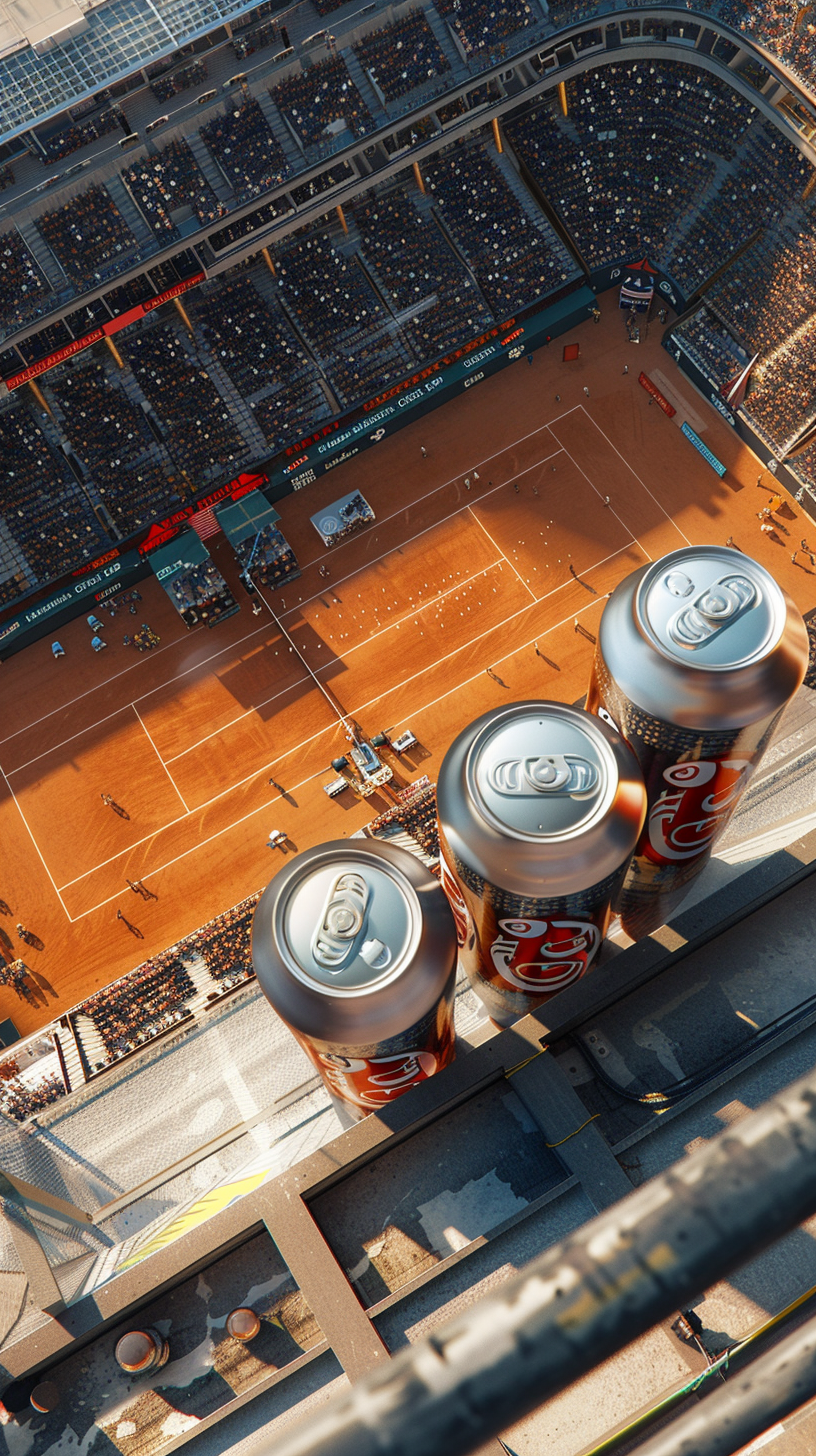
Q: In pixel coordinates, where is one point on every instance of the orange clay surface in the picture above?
(447, 583)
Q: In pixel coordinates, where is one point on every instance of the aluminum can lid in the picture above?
(704, 638)
(540, 799)
(702, 607)
(540, 772)
(353, 942)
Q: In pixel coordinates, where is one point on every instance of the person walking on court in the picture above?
(606, 500)
(516, 486)
(275, 785)
(467, 482)
(586, 391)
(107, 799)
(423, 452)
(558, 399)
(626, 368)
(529, 358)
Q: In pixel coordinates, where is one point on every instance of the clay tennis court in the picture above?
(447, 583)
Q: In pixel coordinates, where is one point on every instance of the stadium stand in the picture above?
(89, 237)
(322, 102)
(486, 26)
(402, 57)
(420, 272)
(262, 357)
(340, 316)
(245, 150)
(163, 182)
(164, 88)
(514, 260)
(199, 431)
(42, 509)
(23, 288)
(109, 434)
(69, 139)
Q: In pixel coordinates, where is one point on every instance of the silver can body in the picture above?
(354, 945)
(697, 656)
(540, 807)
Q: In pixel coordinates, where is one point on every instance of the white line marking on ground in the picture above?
(34, 842)
(501, 553)
(159, 757)
(637, 477)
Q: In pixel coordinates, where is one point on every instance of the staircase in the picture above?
(363, 84)
(91, 1046)
(44, 258)
(145, 237)
(197, 968)
(442, 34)
(210, 170)
(280, 132)
(74, 1069)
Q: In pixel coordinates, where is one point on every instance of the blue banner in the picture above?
(703, 449)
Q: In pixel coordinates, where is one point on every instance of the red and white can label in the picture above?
(686, 818)
(375, 1081)
(543, 956)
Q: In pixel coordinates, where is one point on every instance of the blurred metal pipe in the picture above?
(765, 1393)
(615, 1278)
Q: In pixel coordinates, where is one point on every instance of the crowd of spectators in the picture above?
(514, 260)
(79, 134)
(263, 358)
(88, 236)
(7, 178)
(245, 150)
(41, 506)
(140, 1006)
(420, 272)
(771, 290)
(341, 316)
(165, 87)
(639, 150)
(332, 177)
(22, 285)
(241, 227)
(782, 395)
(224, 945)
(200, 594)
(321, 102)
(199, 431)
(273, 562)
(484, 26)
(402, 56)
(164, 182)
(415, 813)
(20, 1100)
(109, 434)
(711, 346)
(756, 193)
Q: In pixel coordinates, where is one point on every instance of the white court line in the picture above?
(424, 672)
(278, 620)
(34, 842)
(415, 712)
(256, 707)
(637, 477)
(177, 676)
(431, 602)
(157, 869)
(501, 553)
(159, 757)
(409, 540)
(133, 668)
(222, 794)
(610, 507)
(352, 712)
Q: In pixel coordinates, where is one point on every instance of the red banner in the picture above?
(112, 327)
(652, 389)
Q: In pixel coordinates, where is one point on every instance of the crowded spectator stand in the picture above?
(169, 187)
(402, 57)
(321, 102)
(245, 149)
(262, 551)
(342, 518)
(192, 581)
(167, 86)
(411, 821)
(89, 237)
(138, 1008)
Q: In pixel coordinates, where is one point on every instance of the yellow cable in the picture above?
(574, 1131)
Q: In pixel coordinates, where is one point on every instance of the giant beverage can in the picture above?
(354, 945)
(540, 807)
(697, 655)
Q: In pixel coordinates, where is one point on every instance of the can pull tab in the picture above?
(375, 954)
(342, 924)
(715, 608)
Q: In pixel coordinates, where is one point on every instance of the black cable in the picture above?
(678, 1090)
